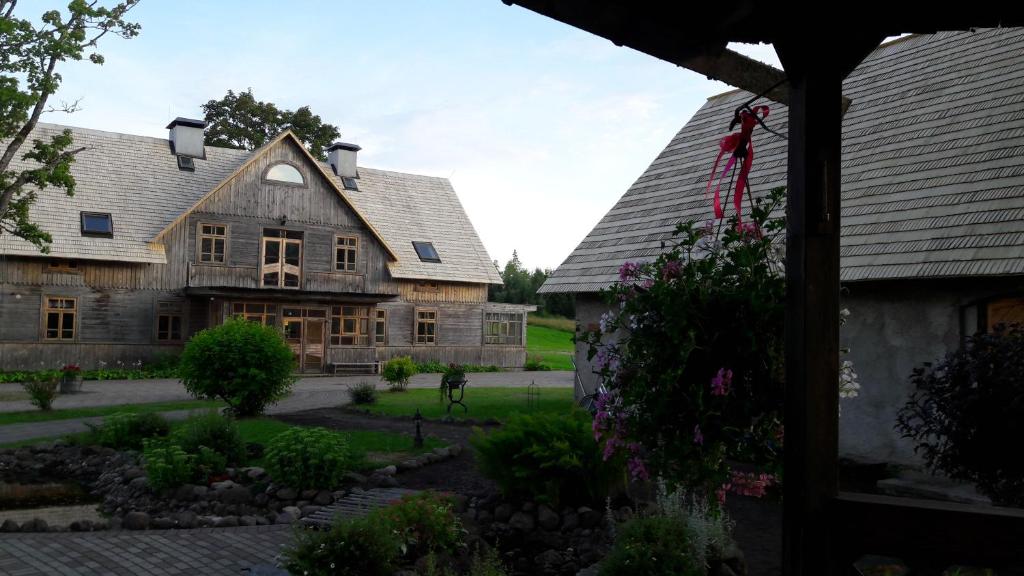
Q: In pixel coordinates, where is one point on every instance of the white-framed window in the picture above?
(503, 328)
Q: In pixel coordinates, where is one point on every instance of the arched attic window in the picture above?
(285, 173)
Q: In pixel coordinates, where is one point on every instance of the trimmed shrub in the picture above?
(425, 522)
(652, 546)
(536, 364)
(213, 431)
(363, 393)
(965, 409)
(547, 457)
(166, 465)
(42, 390)
(127, 431)
(398, 371)
(245, 364)
(304, 458)
(361, 547)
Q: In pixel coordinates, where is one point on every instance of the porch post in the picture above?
(812, 310)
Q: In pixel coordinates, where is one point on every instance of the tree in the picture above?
(241, 121)
(520, 287)
(29, 55)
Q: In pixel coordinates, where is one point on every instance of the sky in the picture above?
(540, 127)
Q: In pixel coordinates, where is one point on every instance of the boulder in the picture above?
(185, 493)
(549, 559)
(522, 522)
(387, 470)
(9, 526)
(570, 521)
(135, 521)
(235, 495)
(255, 473)
(307, 494)
(354, 477)
(285, 518)
(286, 494)
(131, 474)
(225, 521)
(588, 517)
(323, 498)
(224, 485)
(138, 483)
(295, 511)
(502, 512)
(186, 519)
(162, 523)
(247, 521)
(455, 449)
(547, 518)
(35, 525)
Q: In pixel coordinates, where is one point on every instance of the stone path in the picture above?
(357, 505)
(308, 393)
(217, 551)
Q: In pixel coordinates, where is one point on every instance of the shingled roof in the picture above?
(933, 168)
(137, 180)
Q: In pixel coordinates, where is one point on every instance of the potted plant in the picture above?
(71, 380)
(454, 377)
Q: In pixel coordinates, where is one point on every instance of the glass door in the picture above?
(281, 260)
(293, 336)
(313, 347)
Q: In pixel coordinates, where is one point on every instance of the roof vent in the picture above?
(342, 157)
(186, 137)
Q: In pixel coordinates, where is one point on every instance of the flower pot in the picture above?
(71, 384)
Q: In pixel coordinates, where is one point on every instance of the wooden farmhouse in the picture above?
(932, 218)
(166, 237)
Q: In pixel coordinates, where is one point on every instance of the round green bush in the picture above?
(547, 457)
(245, 364)
(305, 458)
(126, 431)
(652, 546)
(213, 431)
(398, 371)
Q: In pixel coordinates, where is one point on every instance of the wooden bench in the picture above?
(342, 368)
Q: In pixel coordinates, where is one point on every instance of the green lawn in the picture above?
(553, 346)
(483, 403)
(41, 416)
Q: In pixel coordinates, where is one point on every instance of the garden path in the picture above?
(151, 552)
(308, 393)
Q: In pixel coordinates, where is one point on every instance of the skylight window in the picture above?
(350, 183)
(97, 224)
(426, 252)
(186, 163)
(285, 173)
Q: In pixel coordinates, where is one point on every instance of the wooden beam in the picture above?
(740, 71)
(812, 308)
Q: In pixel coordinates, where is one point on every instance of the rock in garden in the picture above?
(255, 473)
(162, 523)
(528, 506)
(354, 477)
(201, 491)
(80, 526)
(185, 493)
(218, 486)
(408, 465)
(588, 517)
(323, 498)
(521, 521)
(9, 526)
(135, 521)
(138, 483)
(547, 518)
(236, 495)
(570, 522)
(186, 519)
(307, 495)
(442, 452)
(455, 450)
(284, 518)
(387, 470)
(502, 512)
(293, 510)
(309, 510)
(484, 517)
(132, 473)
(548, 559)
(225, 521)
(286, 494)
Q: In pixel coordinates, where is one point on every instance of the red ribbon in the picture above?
(742, 148)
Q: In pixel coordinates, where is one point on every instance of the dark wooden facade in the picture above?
(118, 304)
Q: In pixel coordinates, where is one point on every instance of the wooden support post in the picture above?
(812, 313)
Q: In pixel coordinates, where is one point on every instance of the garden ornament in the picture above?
(741, 147)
